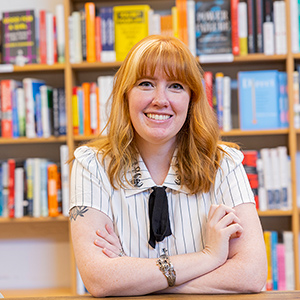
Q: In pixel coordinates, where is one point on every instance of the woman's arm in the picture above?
(246, 269)
(106, 276)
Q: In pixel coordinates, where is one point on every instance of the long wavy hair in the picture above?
(198, 141)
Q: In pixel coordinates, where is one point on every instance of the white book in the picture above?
(191, 20)
(262, 194)
(71, 40)
(269, 38)
(275, 172)
(153, 23)
(288, 240)
(44, 187)
(105, 84)
(19, 192)
(242, 20)
(294, 25)
(280, 27)
(46, 121)
(296, 99)
(267, 169)
(60, 32)
(64, 156)
(37, 187)
(284, 176)
(93, 110)
(21, 107)
(227, 124)
(76, 37)
(50, 38)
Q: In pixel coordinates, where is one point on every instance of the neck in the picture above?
(157, 158)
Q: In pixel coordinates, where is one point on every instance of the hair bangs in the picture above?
(167, 58)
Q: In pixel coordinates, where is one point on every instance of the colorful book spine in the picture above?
(234, 27)
(90, 31)
(11, 190)
(243, 27)
(52, 190)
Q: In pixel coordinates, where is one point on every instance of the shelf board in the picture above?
(238, 132)
(39, 67)
(60, 218)
(275, 213)
(37, 292)
(259, 57)
(25, 140)
(96, 65)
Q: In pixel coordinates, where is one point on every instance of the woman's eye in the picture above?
(145, 84)
(177, 86)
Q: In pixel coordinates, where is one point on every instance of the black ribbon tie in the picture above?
(158, 216)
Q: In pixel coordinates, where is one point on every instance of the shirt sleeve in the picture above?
(232, 186)
(89, 182)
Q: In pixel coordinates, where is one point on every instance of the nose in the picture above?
(160, 97)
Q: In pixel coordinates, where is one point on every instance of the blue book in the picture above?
(283, 100)
(213, 27)
(259, 100)
(15, 118)
(38, 115)
(274, 242)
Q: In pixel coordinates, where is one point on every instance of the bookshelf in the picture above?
(68, 75)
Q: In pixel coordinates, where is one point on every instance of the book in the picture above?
(64, 156)
(208, 81)
(75, 111)
(46, 109)
(55, 112)
(11, 187)
(283, 177)
(252, 47)
(280, 27)
(18, 37)
(262, 194)
(62, 111)
(259, 10)
(108, 53)
(219, 79)
(31, 89)
(52, 190)
(268, 242)
(60, 25)
(213, 27)
(90, 15)
(5, 189)
(274, 243)
(275, 173)
(288, 240)
(259, 100)
(191, 25)
(227, 122)
(28, 203)
(76, 37)
(296, 98)
(19, 191)
(21, 111)
(37, 187)
(182, 21)
(43, 41)
(131, 25)
(7, 87)
(268, 28)
(283, 100)
(43, 169)
(98, 45)
(234, 27)
(281, 267)
(49, 38)
(86, 109)
(243, 27)
(94, 108)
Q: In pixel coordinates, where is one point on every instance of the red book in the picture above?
(98, 38)
(11, 187)
(52, 190)
(234, 27)
(208, 79)
(43, 43)
(54, 40)
(6, 88)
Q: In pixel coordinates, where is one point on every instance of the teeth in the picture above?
(158, 117)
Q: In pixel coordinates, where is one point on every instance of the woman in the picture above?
(160, 204)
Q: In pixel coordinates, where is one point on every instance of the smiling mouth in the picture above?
(158, 117)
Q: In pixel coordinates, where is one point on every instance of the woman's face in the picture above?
(158, 108)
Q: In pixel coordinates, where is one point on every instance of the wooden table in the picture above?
(261, 296)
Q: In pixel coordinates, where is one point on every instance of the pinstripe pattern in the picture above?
(128, 208)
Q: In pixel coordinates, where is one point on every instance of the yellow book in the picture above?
(131, 25)
(268, 242)
(243, 46)
(175, 21)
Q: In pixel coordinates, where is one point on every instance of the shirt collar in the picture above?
(142, 180)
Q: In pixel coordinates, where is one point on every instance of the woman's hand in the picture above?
(109, 242)
(222, 225)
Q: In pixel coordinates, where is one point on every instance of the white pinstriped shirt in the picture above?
(128, 208)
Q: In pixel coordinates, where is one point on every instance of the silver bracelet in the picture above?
(166, 267)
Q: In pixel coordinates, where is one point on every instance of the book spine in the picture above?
(268, 243)
(49, 38)
(296, 99)
(284, 177)
(19, 192)
(98, 38)
(86, 108)
(83, 34)
(262, 194)
(227, 123)
(259, 25)
(90, 31)
(288, 240)
(45, 113)
(6, 105)
(52, 190)
(268, 28)
(80, 109)
(60, 25)
(36, 188)
(251, 26)
(234, 27)
(281, 267)
(62, 111)
(43, 41)
(55, 112)
(208, 79)
(15, 119)
(280, 27)
(182, 20)
(93, 108)
(64, 155)
(43, 187)
(11, 187)
(5, 189)
(274, 243)
(21, 111)
(76, 29)
(219, 94)
(55, 54)
(243, 28)
(275, 173)
(75, 112)
(191, 13)
(72, 39)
